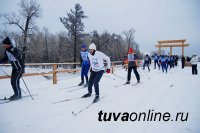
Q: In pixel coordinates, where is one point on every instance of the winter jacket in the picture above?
(194, 60)
(84, 60)
(97, 61)
(155, 57)
(146, 58)
(15, 56)
(163, 60)
(172, 59)
(132, 58)
(183, 59)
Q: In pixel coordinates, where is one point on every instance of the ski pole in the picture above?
(118, 76)
(146, 74)
(109, 77)
(141, 73)
(27, 88)
(10, 78)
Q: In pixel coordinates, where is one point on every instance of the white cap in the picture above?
(92, 46)
(194, 54)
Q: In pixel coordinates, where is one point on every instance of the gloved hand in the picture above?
(9, 50)
(108, 70)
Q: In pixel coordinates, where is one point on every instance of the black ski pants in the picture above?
(95, 77)
(194, 69)
(135, 72)
(15, 81)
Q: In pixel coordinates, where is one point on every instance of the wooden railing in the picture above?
(54, 67)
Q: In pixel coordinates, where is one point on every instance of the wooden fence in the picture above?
(54, 67)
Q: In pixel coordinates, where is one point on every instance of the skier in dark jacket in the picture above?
(15, 56)
(149, 60)
(176, 60)
(132, 64)
(171, 61)
(183, 62)
(85, 64)
(146, 62)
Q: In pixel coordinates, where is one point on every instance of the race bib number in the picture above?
(131, 57)
(95, 63)
(84, 56)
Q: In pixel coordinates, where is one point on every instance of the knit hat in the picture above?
(130, 50)
(7, 41)
(83, 46)
(92, 46)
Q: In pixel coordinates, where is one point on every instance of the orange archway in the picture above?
(170, 44)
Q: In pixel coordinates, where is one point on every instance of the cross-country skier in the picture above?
(168, 63)
(85, 65)
(97, 69)
(132, 64)
(194, 61)
(15, 56)
(159, 61)
(149, 60)
(166, 59)
(156, 57)
(171, 61)
(163, 63)
(176, 60)
(183, 62)
(146, 62)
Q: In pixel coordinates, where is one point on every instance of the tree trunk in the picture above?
(75, 40)
(47, 53)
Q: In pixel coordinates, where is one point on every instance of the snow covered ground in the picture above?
(177, 91)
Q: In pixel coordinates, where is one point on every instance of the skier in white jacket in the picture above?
(97, 69)
(194, 61)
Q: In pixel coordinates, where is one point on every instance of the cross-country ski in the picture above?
(87, 106)
(7, 100)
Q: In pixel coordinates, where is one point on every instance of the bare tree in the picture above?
(29, 10)
(129, 36)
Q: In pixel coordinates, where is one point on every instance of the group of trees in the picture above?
(39, 45)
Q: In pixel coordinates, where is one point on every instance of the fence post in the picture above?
(112, 67)
(54, 74)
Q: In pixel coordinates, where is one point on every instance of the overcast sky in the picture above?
(153, 20)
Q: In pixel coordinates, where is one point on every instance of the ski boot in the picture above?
(81, 83)
(15, 97)
(86, 95)
(96, 99)
(86, 85)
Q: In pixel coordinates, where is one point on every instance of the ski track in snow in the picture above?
(176, 91)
